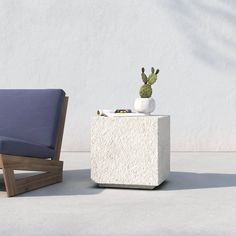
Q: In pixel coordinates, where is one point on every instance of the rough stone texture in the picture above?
(130, 151)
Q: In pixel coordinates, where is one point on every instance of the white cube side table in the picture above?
(130, 152)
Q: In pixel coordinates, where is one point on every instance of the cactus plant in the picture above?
(146, 89)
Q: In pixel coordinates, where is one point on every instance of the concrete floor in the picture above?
(198, 199)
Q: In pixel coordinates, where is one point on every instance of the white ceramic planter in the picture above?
(144, 105)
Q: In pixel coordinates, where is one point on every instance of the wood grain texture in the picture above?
(61, 129)
(9, 179)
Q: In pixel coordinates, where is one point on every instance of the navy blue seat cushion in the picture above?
(17, 147)
(31, 116)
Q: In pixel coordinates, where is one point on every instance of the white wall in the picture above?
(95, 49)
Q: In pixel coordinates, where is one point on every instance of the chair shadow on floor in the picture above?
(78, 182)
(75, 182)
(190, 180)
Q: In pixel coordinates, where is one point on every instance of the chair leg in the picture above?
(9, 180)
(37, 181)
(52, 173)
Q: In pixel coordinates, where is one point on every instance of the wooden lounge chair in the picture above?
(31, 131)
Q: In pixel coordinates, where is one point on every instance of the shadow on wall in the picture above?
(75, 182)
(209, 27)
(189, 180)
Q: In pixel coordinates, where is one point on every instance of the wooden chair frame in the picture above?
(53, 169)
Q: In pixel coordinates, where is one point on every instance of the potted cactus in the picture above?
(146, 104)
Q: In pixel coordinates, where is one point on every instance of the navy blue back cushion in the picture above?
(31, 114)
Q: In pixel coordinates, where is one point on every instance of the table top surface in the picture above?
(133, 116)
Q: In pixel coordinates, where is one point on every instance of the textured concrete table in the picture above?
(130, 152)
